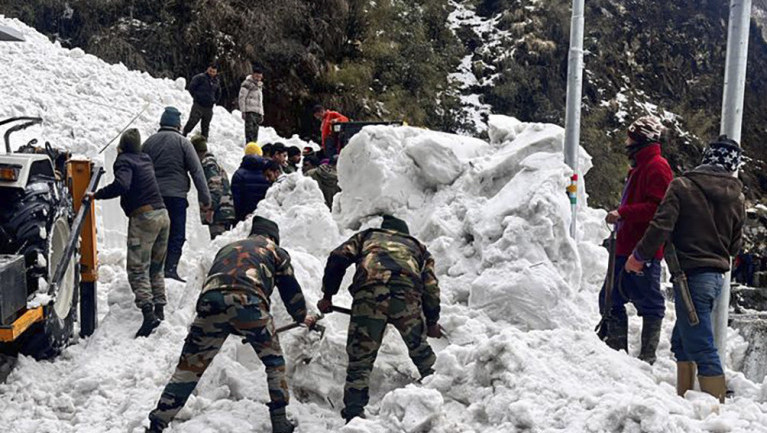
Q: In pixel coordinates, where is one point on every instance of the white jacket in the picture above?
(251, 96)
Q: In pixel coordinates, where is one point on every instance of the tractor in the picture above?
(48, 259)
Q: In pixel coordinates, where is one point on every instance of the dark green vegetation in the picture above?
(390, 59)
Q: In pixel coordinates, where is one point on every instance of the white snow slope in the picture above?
(518, 295)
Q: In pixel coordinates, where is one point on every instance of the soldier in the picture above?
(235, 300)
(148, 227)
(220, 191)
(394, 283)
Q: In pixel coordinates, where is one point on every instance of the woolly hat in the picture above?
(647, 129)
(396, 224)
(130, 142)
(724, 153)
(171, 117)
(200, 143)
(253, 148)
(265, 227)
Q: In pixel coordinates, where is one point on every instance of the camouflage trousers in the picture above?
(374, 307)
(147, 247)
(220, 313)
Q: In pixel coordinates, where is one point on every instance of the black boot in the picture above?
(616, 333)
(651, 327)
(173, 274)
(280, 423)
(171, 267)
(154, 427)
(150, 321)
(159, 312)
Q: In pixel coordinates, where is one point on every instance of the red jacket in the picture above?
(645, 188)
(327, 123)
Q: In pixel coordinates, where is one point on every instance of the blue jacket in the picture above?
(249, 186)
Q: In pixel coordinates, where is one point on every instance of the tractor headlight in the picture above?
(9, 172)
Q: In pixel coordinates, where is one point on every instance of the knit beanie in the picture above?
(724, 153)
(265, 227)
(647, 129)
(170, 117)
(130, 142)
(253, 148)
(396, 224)
(200, 143)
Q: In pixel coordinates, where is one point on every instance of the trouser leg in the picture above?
(405, 313)
(698, 341)
(177, 235)
(194, 118)
(252, 121)
(366, 328)
(142, 231)
(157, 268)
(207, 116)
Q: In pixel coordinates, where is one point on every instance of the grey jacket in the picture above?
(173, 157)
(251, 96)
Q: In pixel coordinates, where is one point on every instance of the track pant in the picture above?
(220, 313)
(199, 113)
(147, 246)
(372, 309)
(696, 343)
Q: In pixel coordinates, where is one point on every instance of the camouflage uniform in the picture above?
(235, 300)
(220, 194)
(147, 246)
(394, 283)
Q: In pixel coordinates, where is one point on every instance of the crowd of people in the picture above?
(694, 221)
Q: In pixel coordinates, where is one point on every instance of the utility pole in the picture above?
(573, 111)
(732, 122)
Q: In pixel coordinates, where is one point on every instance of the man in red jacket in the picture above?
(328, 118)
(645, 188)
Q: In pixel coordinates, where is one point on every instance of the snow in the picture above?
(518, 294)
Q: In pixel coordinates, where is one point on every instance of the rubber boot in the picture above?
(617, 333)
(685, 377)
(159, 312)
(280, 422)
(150, 321)
(651, 327)
(714, 385)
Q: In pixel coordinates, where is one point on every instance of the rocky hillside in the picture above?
(444, 63)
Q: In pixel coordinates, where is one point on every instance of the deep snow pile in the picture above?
(518, 294)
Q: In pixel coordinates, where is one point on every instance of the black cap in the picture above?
(396, 224)
(265, 227)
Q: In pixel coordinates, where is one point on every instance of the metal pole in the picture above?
(732, 121)
(573, 111)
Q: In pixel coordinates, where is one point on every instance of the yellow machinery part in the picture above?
(11, 333)
(79, 178)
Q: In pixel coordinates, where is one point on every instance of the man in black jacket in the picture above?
(148, 227)
(206, 91)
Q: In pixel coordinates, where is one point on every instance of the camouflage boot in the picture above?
(280, 423)
(651, 327)
(150, 321)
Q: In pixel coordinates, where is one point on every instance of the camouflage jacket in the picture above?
(385, 257)
(256, 265)
(220, 191)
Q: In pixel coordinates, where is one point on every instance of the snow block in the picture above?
(412, 409)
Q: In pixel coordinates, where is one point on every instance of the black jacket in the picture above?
(249, 186)
(134, 183)
(205, 91)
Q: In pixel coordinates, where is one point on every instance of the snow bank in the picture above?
(519, 296)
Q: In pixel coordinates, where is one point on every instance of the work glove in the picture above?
(434, 331)
(325, 305)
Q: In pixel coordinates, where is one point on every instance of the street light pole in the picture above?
(573, 111)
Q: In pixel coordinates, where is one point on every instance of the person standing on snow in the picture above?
(206, 91)
(235, 299)
(647, 182)
(394, 283)
(251, 103)
(148, 227)
(174, 160)
(328, 118)
(702, 214)
(220, 191)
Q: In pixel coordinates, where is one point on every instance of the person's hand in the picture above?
(613, 217)
(633, 265)
(434, 331)
(325, 305)
(310, 320)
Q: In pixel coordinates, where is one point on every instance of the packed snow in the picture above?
(518, 294)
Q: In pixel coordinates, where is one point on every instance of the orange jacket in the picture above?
(327, 123)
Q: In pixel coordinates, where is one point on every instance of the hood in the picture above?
(253, 162)
(719, 186)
